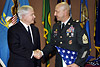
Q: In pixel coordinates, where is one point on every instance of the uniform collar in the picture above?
(66, 21)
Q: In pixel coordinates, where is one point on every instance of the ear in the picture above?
(23, 16)
(66, 12)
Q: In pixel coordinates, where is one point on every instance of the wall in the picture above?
(37, 5)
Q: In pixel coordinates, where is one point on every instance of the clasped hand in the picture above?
(37, 54)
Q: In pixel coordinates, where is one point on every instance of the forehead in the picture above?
(58, 9)
(31, 10)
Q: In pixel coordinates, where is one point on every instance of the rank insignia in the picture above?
(70, 42)
(84, 39)
(55, 31)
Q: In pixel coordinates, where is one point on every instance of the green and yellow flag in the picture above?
(46, 21)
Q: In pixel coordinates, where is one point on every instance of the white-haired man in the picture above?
(23, 39)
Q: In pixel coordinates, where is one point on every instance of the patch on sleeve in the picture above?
(84, 54)
(84, 39)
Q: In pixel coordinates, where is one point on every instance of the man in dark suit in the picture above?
(23, 39)
(68, 35)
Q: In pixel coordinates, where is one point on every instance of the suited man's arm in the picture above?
(15, 45)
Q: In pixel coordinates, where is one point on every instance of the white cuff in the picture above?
(32, 54)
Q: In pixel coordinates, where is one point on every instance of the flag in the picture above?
(9, 13)
(59, 1)
(68, 56)
(46, 21)
(84, 18)
(97, 33)
(95, 21)
(68, 1)
(95, 62)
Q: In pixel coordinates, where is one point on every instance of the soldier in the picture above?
(68, 39)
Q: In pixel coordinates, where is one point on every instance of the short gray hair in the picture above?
(23, 10)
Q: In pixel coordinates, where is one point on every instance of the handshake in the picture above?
(38, 54)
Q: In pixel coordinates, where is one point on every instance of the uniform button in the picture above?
(60, 36)
(70, 36)
(60, 42)
(55, 40)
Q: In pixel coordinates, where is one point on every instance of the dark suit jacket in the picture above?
(21, 46)
(66, 39)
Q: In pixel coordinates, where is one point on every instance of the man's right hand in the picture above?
(38, 54)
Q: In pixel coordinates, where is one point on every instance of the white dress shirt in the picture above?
(26, 27)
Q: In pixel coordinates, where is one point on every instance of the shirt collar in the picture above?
(25, 25)
(66, 21)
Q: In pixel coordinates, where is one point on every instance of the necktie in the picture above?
(63, 25)
(29, 32)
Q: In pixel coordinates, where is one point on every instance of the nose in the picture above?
(34, 16)
(54, 13)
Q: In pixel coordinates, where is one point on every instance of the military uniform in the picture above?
(72, 37)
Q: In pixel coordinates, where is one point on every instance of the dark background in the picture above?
(75, 5)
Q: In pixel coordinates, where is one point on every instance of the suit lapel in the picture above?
(24, 30)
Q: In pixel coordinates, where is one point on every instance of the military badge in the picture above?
(70, 31)
(55, 33)
(67, 34)
(70, 42)
(72, 34)
(84, 39)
